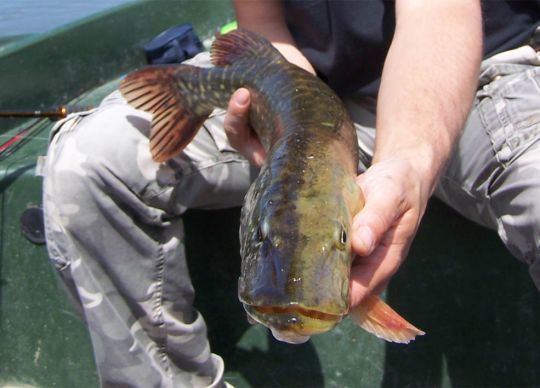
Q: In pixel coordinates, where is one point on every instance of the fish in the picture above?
(295, 227)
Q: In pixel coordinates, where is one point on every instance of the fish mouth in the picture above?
(297, 310)
(293, 323)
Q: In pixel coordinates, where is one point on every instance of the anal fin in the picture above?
(376, 317)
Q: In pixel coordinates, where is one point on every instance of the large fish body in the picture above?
(295, 223)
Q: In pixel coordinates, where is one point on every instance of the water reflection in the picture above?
(23, 17)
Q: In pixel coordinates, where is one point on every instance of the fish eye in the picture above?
(260, 237)
(343, 236)
(262, 230)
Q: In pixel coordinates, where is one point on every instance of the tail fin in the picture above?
(376, 317)
(176, 118)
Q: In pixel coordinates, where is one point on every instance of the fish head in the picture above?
(296, 259)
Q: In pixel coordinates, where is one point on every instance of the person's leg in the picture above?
(494, 175)
(115, 235)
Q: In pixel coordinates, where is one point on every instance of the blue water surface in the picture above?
(21, 17)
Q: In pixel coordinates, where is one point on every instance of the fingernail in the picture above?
(242, 98)
(366, 237)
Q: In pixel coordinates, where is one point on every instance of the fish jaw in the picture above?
(289, 337)
(293, 324)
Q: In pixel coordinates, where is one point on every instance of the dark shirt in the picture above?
(347, 40)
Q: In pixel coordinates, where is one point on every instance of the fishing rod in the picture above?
(55, 114)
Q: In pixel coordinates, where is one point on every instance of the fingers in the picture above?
(383, 230)
(369, 226)
(376, 239)
(237, 118)
(380, 212)
(370, 275)
(238, 130)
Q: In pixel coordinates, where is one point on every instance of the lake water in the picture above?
(19, 17)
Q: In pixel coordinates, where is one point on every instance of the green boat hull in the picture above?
(477, 304)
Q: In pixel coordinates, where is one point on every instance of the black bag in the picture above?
(174, 45)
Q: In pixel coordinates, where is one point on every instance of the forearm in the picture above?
(428, 83)
(266, 18)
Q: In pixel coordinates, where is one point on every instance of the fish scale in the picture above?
(296, 218)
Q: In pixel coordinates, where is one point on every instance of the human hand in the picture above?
(239, 132)
(395, 200)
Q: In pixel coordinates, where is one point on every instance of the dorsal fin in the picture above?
(241, 44)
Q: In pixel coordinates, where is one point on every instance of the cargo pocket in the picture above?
(508, 107)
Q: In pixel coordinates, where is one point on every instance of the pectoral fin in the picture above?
(376, 317)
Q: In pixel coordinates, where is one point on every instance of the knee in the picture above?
(519, 228)
(108, 147)
(112, 136)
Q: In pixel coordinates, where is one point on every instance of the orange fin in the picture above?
(176, 118)
(240, 44)
(376, 317)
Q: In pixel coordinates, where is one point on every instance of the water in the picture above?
(20, 17)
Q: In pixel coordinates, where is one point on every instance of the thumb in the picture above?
(238, 130)
(379, 214)
(237, 118)
(372, 234)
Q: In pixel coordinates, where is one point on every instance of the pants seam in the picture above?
(158, 309)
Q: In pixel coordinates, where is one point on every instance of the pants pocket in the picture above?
(508, 107)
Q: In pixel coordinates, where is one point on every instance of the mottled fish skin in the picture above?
(294, 234)
(295, 222)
